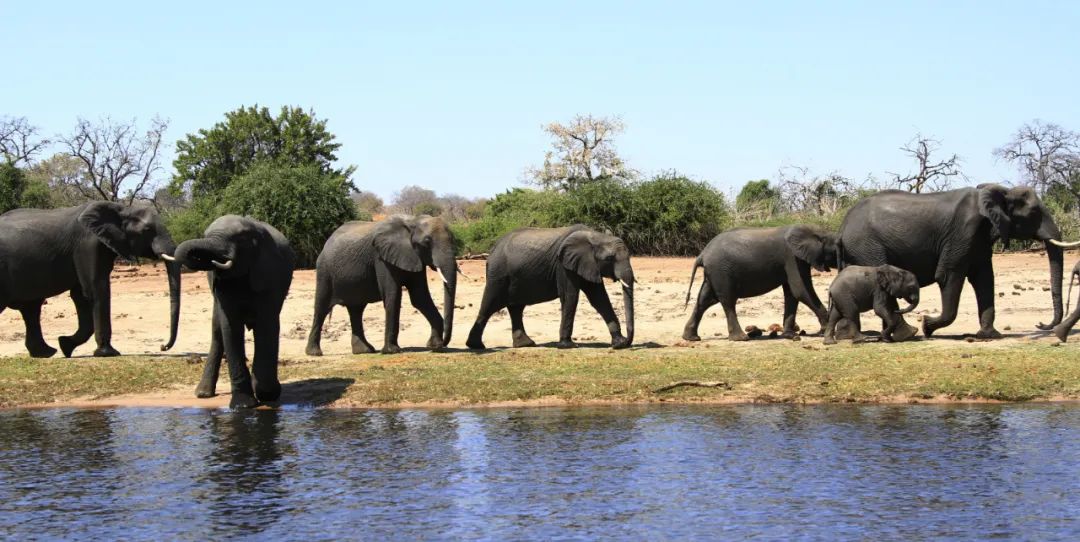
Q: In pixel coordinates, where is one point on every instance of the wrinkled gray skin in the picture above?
(534, 265)
(947, 238)
(365, 262)
(749, 262)
(249, 265)
(47, 252)
(1061, 331)
(858, 289)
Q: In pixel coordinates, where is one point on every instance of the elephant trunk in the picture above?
(204, 254)
(448, 271)
(1053, 253)
(913, 301)
(625, 274)
(165, 248)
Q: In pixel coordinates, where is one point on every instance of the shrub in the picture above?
(12, 185)
(513, 209)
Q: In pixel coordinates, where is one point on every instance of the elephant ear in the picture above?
(578, 255)
(268, 260)
(889, 279)
(807, 245)
(992, 205)
(104, 220)
(393, 242)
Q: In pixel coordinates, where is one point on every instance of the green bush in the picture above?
(12, 185)
(673, 215)
(513, 209)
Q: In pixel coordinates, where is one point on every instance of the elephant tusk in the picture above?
(1065, 245)
(168, 258)
(463, 274)
(624, 284)
(442, 276)
(219, 265)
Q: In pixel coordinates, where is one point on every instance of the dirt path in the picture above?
(140, 306)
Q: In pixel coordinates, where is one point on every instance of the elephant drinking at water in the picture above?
(533, 265)
(47, 252)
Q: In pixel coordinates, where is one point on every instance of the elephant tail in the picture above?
(1068, 297)
(689, 289)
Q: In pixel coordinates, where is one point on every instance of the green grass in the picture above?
(774, 371)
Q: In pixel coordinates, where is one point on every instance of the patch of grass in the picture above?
(764, 371)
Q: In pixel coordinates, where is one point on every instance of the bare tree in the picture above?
(1047, 155)
(821, 195)
(929, 175)
(19, 140)
(368, 202)
(584, 150)
(120, 164)
(416, 200)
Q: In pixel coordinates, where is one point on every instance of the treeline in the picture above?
(282, 168)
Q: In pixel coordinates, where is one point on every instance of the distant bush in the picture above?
(513, 209)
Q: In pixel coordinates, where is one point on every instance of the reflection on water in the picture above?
(896, 472)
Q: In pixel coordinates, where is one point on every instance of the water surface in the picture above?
(655, 472)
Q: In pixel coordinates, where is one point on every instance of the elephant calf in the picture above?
(1062, 330)
(749, 262)
(860, 288)
(249, 264)
(533, 265)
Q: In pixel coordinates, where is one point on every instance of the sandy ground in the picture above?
(140, 307)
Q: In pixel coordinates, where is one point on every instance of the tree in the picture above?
(1048, 157)
(817, 195)
(120, 165)
(416, 200)
(757, 200)
(65, 178)
(19, 140)
(208, 161)
(12, 185)
(935, 176)
(584, 151)
(457, 208)
(367, 203)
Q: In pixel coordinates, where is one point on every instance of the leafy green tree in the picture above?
(757, 195)
(12, 185)
(208, 161)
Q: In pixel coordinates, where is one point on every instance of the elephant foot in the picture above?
(41, 351)
(1061, 331)
(691, 337)
(475, 344)
(205, 390)
(105, 352)
(268, 392)
(391, 349)
(619, 343)
(521, 340)
(740, 336)
(788, 335)
(904, 332)
(436, 344)
(829, 340)
(565, 344)
(313, 350)
(860, 339)
(362, 347)
(67, 345)
(988, 334)
(242, 400)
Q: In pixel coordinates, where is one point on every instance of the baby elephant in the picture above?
(860, 288)
(1066, 325)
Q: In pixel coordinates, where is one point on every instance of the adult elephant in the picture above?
(365, 262)
(249, 264)
(948, 237)
(533, 265)
(748, 262)
(47, 252)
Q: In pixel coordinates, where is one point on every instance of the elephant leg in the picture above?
(84, 309)
(102, 319)
(208, 384)
(598, 298)
(803, 291)
(569, 301)
(1061, 331)
(420, 298)
(392, 306)
(232, 336)
(517, 326)
(830, 326)
(791, 306)
(889, 319)
(35, 343)
(981, 278)
(950, 301)
(264, 364)
(360, 344)
(323, 304)
(493, 301)
(734, 329)
(706, 298)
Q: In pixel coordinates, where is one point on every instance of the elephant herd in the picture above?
(888, 246)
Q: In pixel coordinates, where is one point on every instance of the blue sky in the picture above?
(453, 95)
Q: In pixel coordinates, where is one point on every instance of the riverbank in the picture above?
(758, 371)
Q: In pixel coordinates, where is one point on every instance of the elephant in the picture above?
(859, 288)
(249, 265)
(533, 265)
(748, 262)
(364, 262)
(1066, 325)
(948, 237)
(47, 252)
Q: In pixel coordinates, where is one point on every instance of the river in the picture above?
(624, 473)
